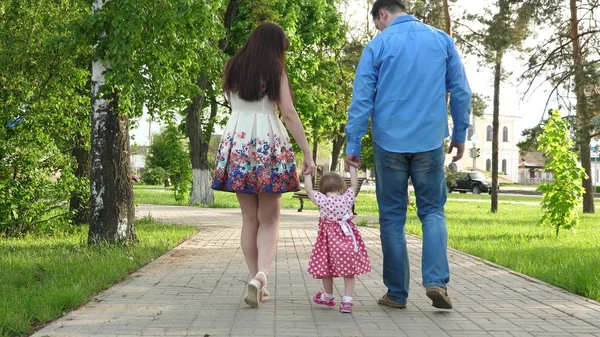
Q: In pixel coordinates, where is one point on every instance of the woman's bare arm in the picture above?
(290, 116)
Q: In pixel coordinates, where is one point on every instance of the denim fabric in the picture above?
(426, 170)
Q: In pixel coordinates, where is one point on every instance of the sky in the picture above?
(528, 110)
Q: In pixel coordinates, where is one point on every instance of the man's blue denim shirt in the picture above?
(401, 82)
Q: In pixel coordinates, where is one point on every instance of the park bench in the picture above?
(301, 195)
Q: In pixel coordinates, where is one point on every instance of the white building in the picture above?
(479, 136)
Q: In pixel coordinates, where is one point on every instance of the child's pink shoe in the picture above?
(346, 306)
(319, 300)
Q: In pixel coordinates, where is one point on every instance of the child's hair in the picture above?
(332, 182)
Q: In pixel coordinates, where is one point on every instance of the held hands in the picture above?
(308, 166)
(351, 160)
(460, 149)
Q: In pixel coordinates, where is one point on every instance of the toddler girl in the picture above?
(339, 250)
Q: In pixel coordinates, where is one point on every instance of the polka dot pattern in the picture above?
(333, 254)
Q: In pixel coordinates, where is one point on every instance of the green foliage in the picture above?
(34, 181)
(154, 176)
(478, 104)
(564, 194)
(169, 151)
(43, 104)
(155, 49)
(531, 141)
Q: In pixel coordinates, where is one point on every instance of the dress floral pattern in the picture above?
(255, 154)
(336, 252)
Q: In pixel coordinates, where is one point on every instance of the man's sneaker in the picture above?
(385, 300)
(330, 302)
(346, 306)
(439, 297)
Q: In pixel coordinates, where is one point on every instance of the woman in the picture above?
(255, 158)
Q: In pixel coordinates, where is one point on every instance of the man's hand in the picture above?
(460, 149)
(351, 160)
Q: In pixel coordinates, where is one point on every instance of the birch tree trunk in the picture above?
(112, 213)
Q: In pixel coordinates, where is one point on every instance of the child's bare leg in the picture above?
(349, 285)
(328, 285)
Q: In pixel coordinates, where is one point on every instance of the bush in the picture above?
(35, 181)
(154, 176)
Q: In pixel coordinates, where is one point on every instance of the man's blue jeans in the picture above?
(426, 169)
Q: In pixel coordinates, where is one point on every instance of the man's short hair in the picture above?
(392, 6)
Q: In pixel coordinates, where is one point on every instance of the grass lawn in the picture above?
(44, 277)
(511, 237)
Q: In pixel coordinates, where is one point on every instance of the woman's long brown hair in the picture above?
(255, 71)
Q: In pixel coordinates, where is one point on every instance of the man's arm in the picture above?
(363, 99)
(460, 99)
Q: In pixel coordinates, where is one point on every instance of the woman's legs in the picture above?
(269, 209)
(249, 206)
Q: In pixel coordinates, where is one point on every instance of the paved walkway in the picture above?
(197, 290)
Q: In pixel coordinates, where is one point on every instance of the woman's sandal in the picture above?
(255, 290)
(266, 295)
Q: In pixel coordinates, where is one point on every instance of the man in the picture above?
(401, 83)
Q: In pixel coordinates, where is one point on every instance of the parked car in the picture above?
(474, 182)
(135, 178)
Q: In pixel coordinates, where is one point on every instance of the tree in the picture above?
(199, 126)
(169, 152)
(146, 53)
(43, 107)
(562, 196)
(531, 142)
(568, 62)
(504, 30)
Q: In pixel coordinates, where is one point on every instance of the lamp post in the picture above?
(474, 152)
(596, 158)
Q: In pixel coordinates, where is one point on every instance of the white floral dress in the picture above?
(255, 154)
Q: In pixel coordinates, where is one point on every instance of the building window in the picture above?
(504, 166)
(531, 173)
(488, 165)
(488, 134)
(470, 132)
(505, 134)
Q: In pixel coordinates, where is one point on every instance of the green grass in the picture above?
(44, 277)
(156, 195)
(513, 238)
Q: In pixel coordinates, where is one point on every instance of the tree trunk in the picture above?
(338, 143)
(447, 19)
(495, 126)
(582, 115)
(315, 151)
(336, 150)
(201, 192)
(202, 178)
(112, 213)
(79, 203)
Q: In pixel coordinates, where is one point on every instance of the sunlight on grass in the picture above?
(44, 277)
